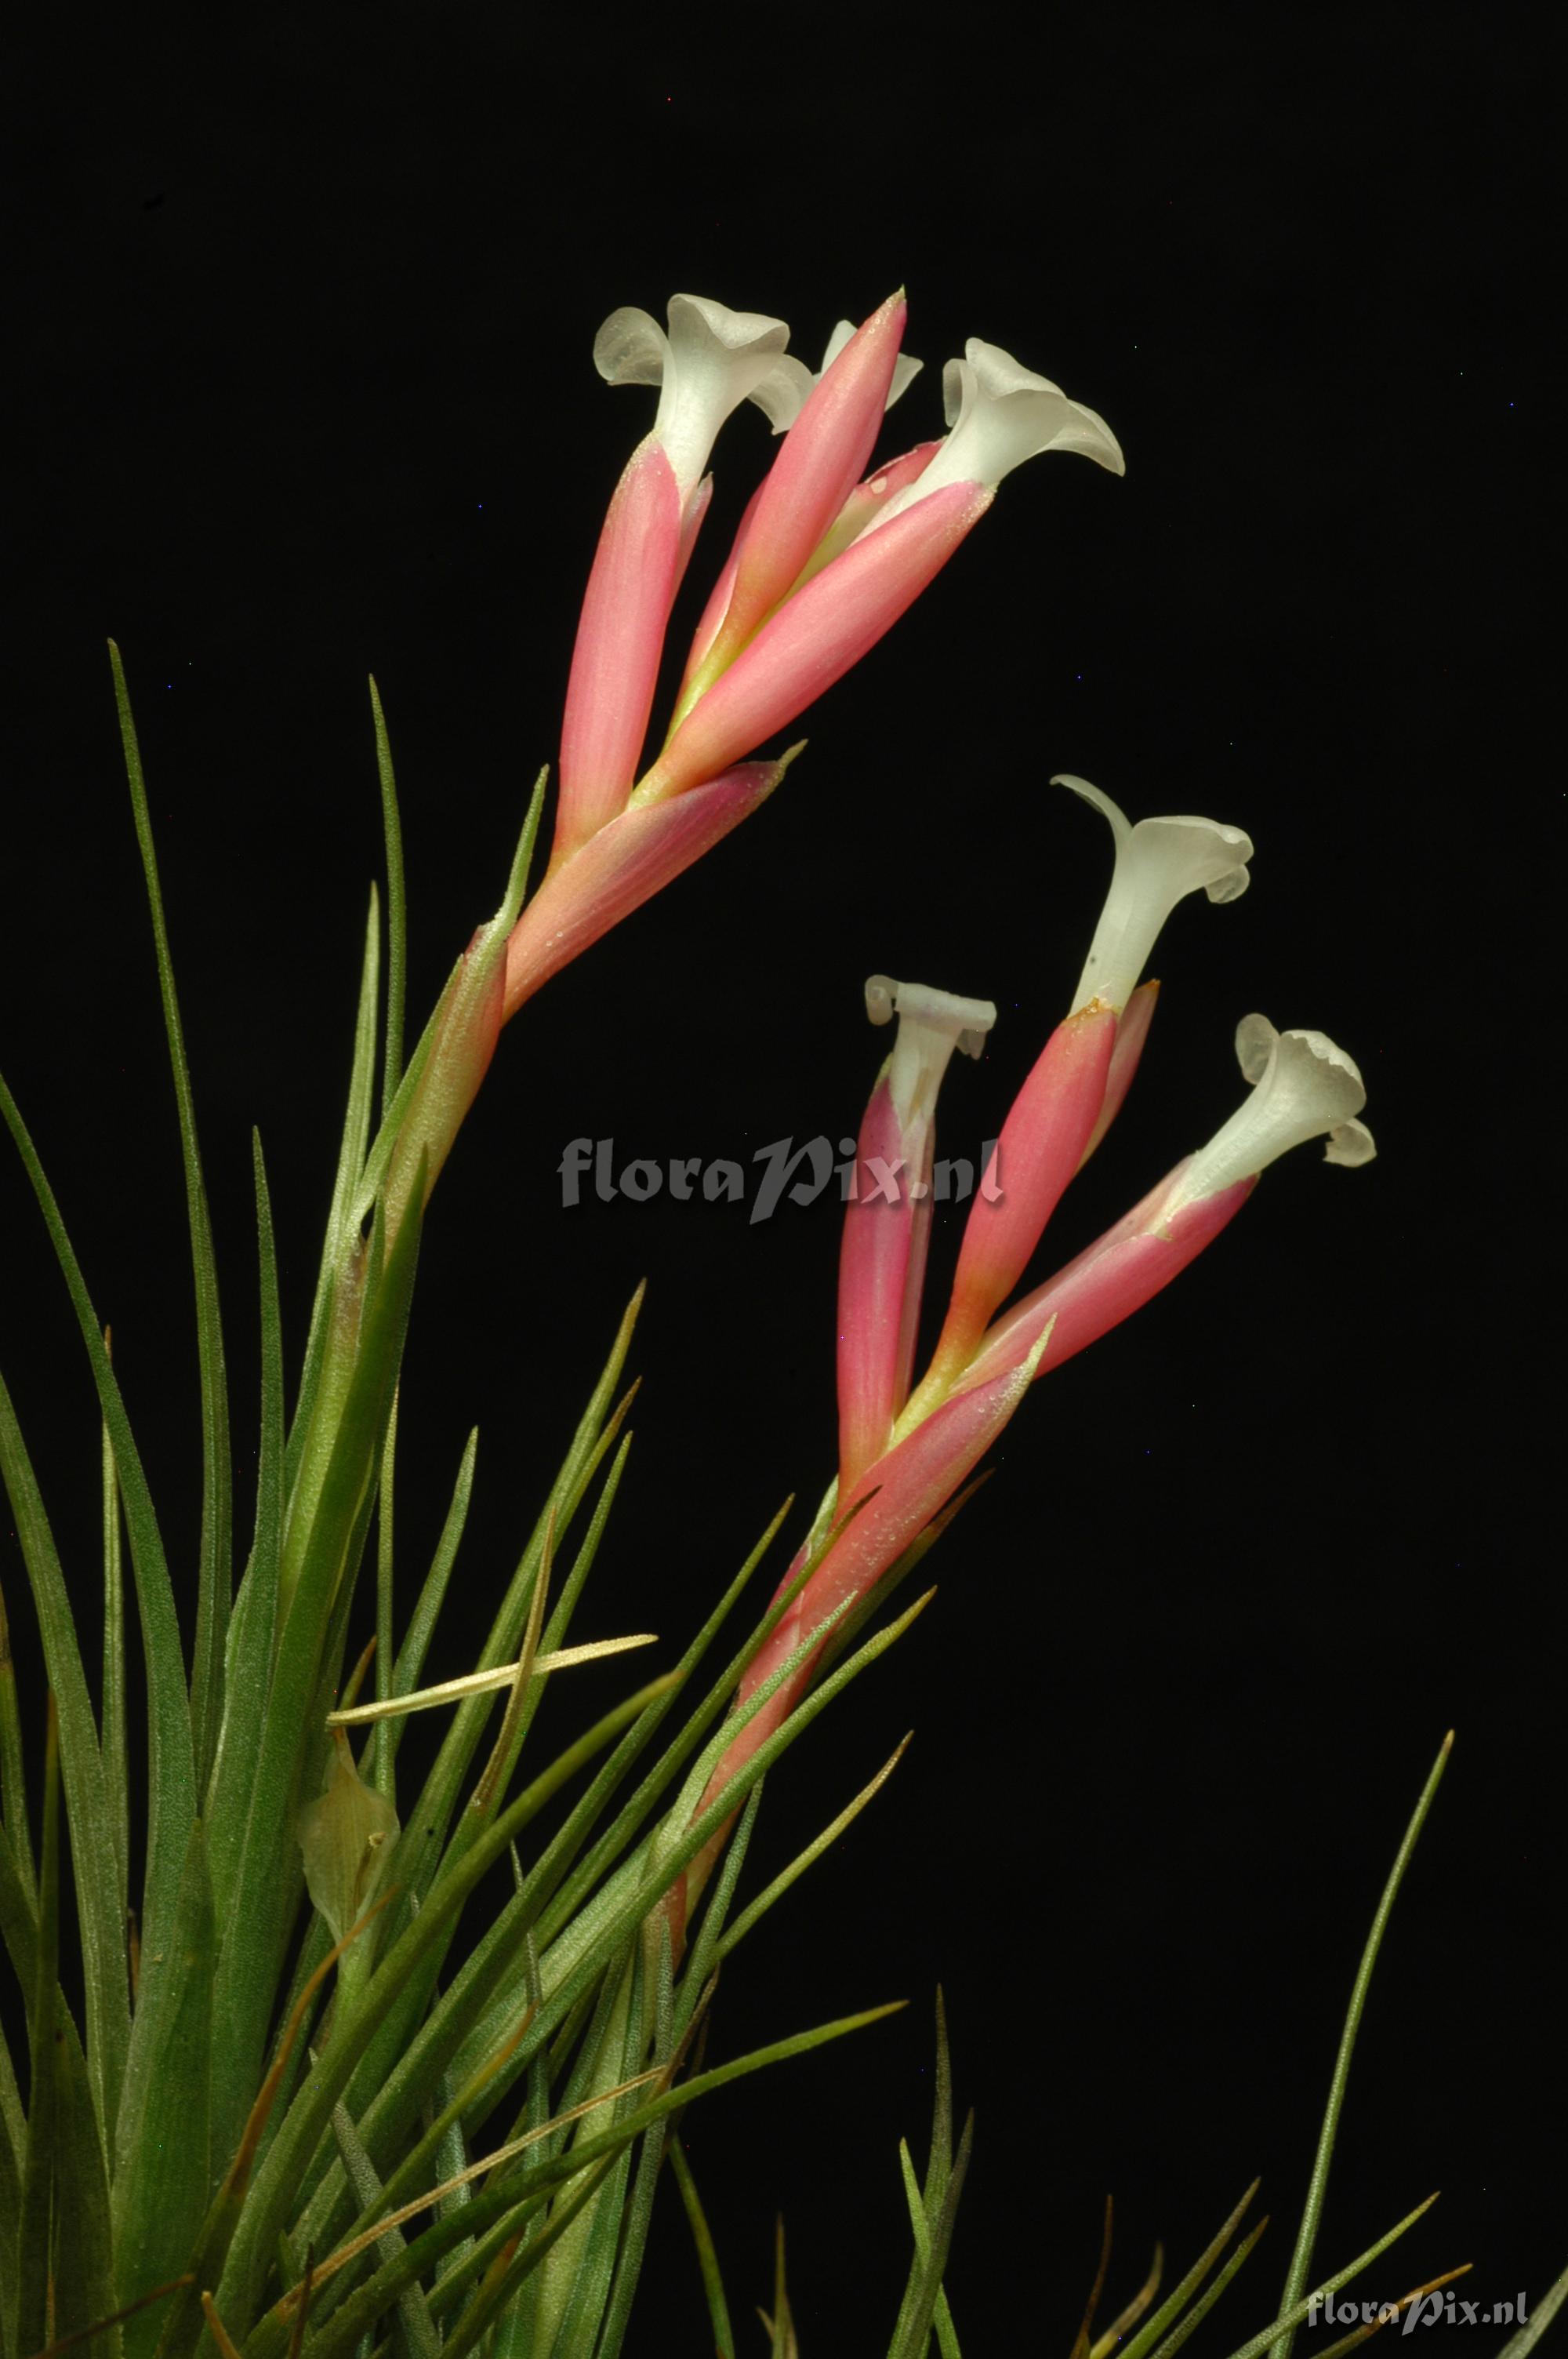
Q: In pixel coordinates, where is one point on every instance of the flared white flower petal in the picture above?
(998, 414)
(931, 1025)
(1158, 864)
(710, 361)
(1303, 1087)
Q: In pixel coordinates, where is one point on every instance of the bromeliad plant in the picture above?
(307, 2106)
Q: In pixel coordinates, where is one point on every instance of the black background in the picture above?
(304, 341)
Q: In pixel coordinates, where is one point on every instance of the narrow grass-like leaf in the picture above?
(101, 1924)
(639, 2212)
(13, 2157)
(254, 1942)
(380, 1760)
(781, 2325)
(31, 2314)
(1388, 2311)
(577, 2278)
(215, 1578)
(13, 1761)
(936, 2238)
(1519, 2345)
(182, 2330)
(163, 2167)
(253, 1627)
(508, 2190)
(705, 1954)
(442, 1788)
(1176, 2301)
(345, 1185)
(1209, 2296)
(706, 2257)
(422, 1622)
(171, 1782)
(83, 2256)
(645, 1884)
(616, 1838)
(549, 2133)
(418, 2326)
(509, 2268)
(472, 1683)
(758, 1909)
(273, 2194)
(397, 906)
(1317, 2186)
(111, 1748)
(1298, 2311)
(1125, 2320)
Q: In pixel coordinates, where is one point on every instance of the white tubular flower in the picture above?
(998, 414)
(1302, 1087)
(904, 369)
(931, 1025)
(711, 361)
(1158, 864)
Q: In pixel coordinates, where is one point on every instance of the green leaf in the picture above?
(418, 2326)
(1530, 2334)
(933, 2242)
(1211, 2294)
(253, 1627)
(13, 1764)
(1176, 2301)
(1298, 2311)
(273, 2192)
(216, 1566)
(171, 1780)
(30, 2318)
(116, 1771)
(639, 2212)
(422, 1621)
(758, 1909)
(1317, 2186)
(380, 1756)
(163, 2150)
(706, 2258)
(13, 2157)
(341, 1226)
(83, 2256)
(511, 2188)
(253, 1940)
(396, 907)
(74, 1740)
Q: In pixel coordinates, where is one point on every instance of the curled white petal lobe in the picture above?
(630, 348)
(1158, 864)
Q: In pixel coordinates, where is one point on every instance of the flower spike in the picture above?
(1303, 1087)
(817, 467)
(1000, 415)
(887, 1225)
(1158, 864)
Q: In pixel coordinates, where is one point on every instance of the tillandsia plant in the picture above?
(308, 2104)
